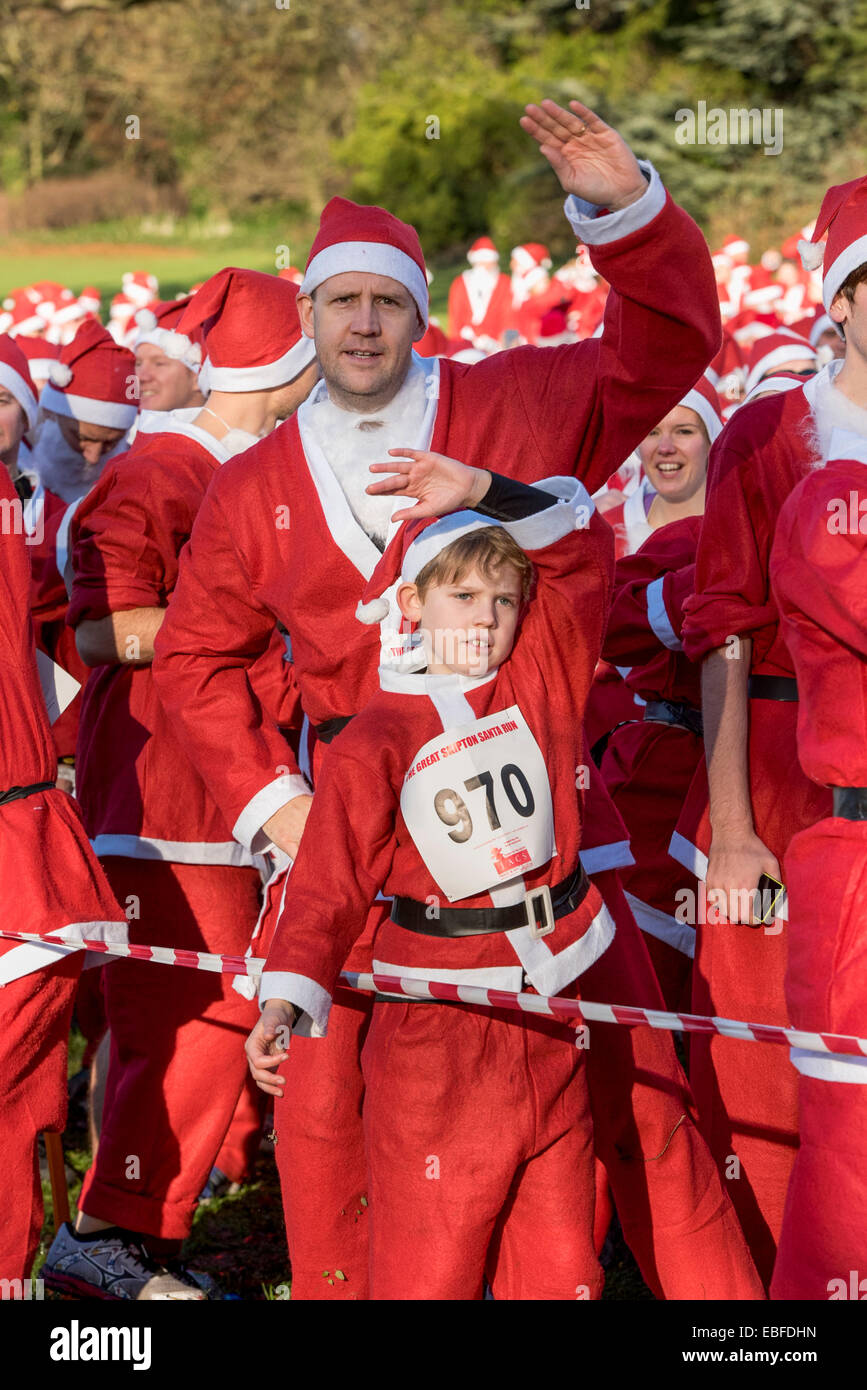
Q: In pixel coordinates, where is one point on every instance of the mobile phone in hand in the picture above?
(770, 896)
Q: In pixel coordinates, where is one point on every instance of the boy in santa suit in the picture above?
(480, 299)
(464, 583)
(165, 846)
(758, 795)
(819, 579)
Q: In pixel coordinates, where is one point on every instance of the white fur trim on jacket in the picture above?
(657, 616)
(313, 1001)
(248, 827)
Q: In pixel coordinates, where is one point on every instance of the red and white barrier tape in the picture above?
(555, 1007)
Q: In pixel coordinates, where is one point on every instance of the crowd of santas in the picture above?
(191, 608)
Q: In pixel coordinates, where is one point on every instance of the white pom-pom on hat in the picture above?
(146, 320)
(373, 612)
(60, 374)
(812, 254)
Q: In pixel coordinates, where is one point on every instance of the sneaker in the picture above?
(113, 1264)
(218, 1185)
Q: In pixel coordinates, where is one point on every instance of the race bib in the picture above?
(477, 803)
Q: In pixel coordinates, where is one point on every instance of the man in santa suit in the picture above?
(783, 351)
(167, 363)
(739, 819)
(162, 839)
(819, 580)
(50, 884)
(18, 412)
(534, 293)
(480, 299)
(584, 405)
(741, 278)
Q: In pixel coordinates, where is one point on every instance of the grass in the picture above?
(98, 254)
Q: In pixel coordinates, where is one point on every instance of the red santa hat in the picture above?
(773, 350)
(704, 400)
(21, 306)
(843, 216)
(15, 377)
(291, 272)
(353, 236)
(90, 299)
(720, 260)
(39, 354)
(251, 329)
(773, 385)
(140, 286)
(483, 252)
(735, 246)
(414, 546)
(92, 380)
(531, 256)
(157, 324)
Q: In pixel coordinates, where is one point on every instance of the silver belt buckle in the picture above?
(540, 911)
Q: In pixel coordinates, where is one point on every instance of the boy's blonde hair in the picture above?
(487, 550)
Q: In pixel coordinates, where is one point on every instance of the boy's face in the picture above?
(469, 625)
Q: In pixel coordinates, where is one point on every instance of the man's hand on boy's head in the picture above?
(285, 828)
(438, 484)
(268, 1045)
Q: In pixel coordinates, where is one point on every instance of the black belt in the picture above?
(850, 802)
(480, 921)
(330, 728)
(680, 715)
(17, 793)
(774, 688)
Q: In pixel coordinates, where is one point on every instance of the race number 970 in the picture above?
(452, 809)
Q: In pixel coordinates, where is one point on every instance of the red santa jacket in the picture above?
(50, 882)
(646, 620)
(275, 536)
(141, 794)
(819, 579)
(479, 307)
(472, 747)
(50, 606)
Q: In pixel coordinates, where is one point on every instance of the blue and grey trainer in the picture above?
(113, 1264)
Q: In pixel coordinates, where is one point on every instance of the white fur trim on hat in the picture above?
(374, 612)
(115, 415)
(173, 344)
(694, 400)
(839, 271)
(263, 378)
(775, 359)
(18, 387)
(812, 254)
(824, 324)
(146, 320)
(60, 373)
(374, 258)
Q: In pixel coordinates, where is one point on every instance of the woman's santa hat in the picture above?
(843, 216)
(157, 325)
(483, 252)
(16, 379)
(93, 380)
(354, 236)
(251, 330)
(704, 400)
(735, 246)
(773, 351)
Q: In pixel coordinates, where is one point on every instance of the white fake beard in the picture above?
(61, 469)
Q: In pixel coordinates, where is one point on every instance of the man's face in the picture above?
(13, 424)
(363, 326)
(93, 442)
(164, 382)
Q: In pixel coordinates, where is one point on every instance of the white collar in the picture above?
(398, 682)
(180, 422)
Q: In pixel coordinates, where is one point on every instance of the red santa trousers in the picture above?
(320, 1155)
(748, 1095)
(35, 1012)
(237, 1156)
(648, 768)
(824, 1235)
(677, 1219)
(177, 1061)
(480, 1150)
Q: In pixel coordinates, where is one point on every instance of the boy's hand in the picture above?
(285, 828)
(589, 158)
(440, 484)
(268, 1045)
